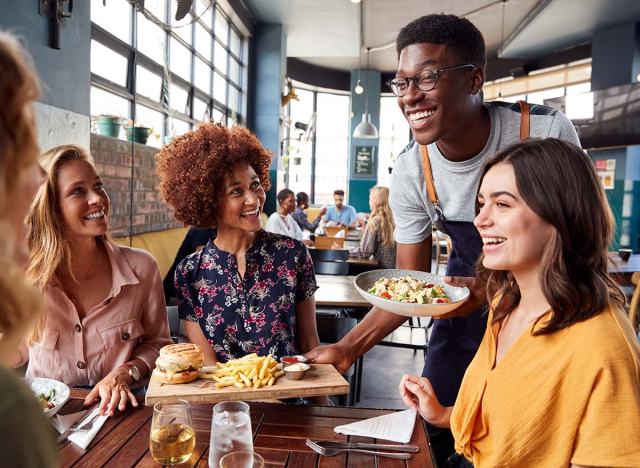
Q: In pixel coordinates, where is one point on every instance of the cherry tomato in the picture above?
(385, 295)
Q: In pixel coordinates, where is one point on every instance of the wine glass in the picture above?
(230, 430)
(172, 437)
(242, 459)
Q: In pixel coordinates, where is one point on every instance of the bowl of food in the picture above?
(296, 371)
(410, 293)
(290, 360)
(51, 394)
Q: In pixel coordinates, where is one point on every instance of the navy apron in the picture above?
(454, 341)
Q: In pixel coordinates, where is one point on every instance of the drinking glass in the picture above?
(230, 430)
(242, 459)
(172, 437)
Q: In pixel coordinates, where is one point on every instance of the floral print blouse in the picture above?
(254, 314)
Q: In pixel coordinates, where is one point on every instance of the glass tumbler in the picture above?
(172, 437)
(230, 430)
(242, 459)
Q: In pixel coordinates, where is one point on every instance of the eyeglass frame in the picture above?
(414, 78)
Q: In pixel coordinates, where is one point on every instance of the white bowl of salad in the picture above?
(51, 394)
(409, 293)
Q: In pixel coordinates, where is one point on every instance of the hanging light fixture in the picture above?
(366, 129)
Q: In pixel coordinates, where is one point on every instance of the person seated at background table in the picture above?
(281, 222)
(26, 438)
(556, 380)
(105, 318)
(302, 200)
(248, 290)
(340, 214)
(194, 241)
(377, 239)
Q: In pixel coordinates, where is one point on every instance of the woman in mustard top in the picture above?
(556, 380)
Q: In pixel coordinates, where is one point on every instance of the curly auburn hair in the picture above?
(193, 167)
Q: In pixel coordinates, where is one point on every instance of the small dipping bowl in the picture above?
(289, 360)
(296, 370)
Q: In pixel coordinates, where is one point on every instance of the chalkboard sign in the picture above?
(364, 162)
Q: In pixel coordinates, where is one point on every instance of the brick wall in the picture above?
(113, 160)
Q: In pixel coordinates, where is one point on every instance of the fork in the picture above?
(330, 452)
(85, 424)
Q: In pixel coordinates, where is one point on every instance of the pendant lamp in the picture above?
(366, 129)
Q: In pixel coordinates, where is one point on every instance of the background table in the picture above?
(279, 430)
(338, 291)
(621, 270)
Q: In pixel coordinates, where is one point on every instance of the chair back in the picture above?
(329, 255)
(176, 330)
(443, 249)
(331, 268)
(333, 231)
(326, 242)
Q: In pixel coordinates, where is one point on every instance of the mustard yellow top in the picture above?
(569, 397)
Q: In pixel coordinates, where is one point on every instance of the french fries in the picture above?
(248, 371)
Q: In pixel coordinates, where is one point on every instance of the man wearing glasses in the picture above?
(441, 71)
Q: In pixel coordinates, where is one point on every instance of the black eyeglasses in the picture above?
(424, 80)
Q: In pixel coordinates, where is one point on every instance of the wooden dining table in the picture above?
(279, 435)
(338, 291)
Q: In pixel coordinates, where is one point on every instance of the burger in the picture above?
(179, 363)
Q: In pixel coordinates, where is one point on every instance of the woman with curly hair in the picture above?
(556, 380)
(248, 290)
(25, 434)
(377, 239)
(105, 318)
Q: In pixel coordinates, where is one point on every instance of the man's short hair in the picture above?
(283, 195)
(301, 197)
(338, 192)
(459, 35)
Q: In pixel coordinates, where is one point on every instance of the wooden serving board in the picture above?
(320, 379)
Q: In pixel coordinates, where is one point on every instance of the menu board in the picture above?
(364, 162)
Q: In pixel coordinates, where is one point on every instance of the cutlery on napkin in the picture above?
(396, 426)
(83, 432)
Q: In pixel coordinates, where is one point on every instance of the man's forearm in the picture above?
(376, 325)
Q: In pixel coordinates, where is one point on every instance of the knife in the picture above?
(360, 445)
(86, 418)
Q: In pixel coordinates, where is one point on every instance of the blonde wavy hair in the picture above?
(381, 215)
(21, 304)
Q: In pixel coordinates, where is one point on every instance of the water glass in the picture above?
(242, 459)
(230, 430)
(172, 437)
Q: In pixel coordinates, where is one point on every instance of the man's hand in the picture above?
(331, 354)
(323, 210)
(477, 297)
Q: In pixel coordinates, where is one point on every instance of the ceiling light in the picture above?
(358, 88)
(355, 1)
(366, 129)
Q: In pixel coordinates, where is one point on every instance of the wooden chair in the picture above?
(635, 301)
(333, 231)
(327, 242)
(443, 248)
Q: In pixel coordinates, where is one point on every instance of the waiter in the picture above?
(441, 71)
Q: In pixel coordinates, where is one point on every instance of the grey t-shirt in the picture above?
(457, 182)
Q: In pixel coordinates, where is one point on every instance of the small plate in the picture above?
(39, 385)
(364, 281)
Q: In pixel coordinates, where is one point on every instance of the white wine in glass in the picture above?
(172, 437)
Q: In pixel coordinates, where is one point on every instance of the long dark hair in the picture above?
(559, 183)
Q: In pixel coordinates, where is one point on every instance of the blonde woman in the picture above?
(377, 239)
(25, 435)
(105, 318)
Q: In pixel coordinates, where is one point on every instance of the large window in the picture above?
(394, 136)
(317, 165)
(164, 75)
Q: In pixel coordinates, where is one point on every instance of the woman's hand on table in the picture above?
(113, 392)
(417, 393)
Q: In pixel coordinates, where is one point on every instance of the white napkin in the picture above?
(396, 426)
(83, 438)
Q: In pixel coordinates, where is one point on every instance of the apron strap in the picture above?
(428, 175)
(524, 120)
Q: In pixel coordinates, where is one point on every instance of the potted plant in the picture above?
(108, 125)
(137, 133)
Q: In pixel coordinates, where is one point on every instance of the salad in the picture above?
(408, 289)
(47, 399)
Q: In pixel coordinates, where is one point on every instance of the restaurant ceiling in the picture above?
(327, 32)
